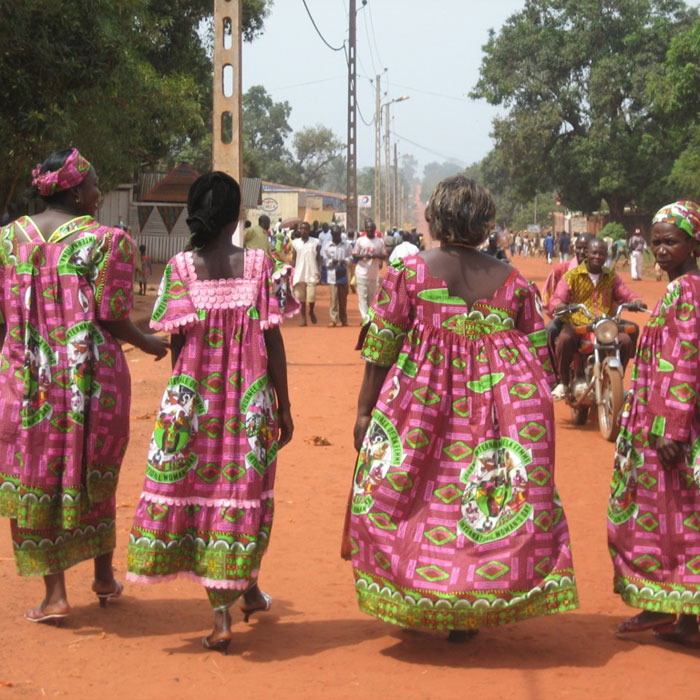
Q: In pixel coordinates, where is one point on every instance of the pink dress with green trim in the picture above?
(654, 512)
(64, 389)
(207, 502)
(456, 522)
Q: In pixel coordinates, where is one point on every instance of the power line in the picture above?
(429, 92)
(369, 44)
(310, 82)
(362, 117)
(318, 31)
(430, 150)
(376, 47)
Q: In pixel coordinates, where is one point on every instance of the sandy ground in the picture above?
(314, 642)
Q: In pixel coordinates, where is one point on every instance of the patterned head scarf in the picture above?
(70, 174)
(684, 214)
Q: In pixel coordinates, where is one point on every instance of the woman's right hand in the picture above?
(669, 451)
(361, 425)
(155, 345)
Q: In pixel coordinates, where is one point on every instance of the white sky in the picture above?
(429, 46)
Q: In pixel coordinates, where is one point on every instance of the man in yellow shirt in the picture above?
(258, 236)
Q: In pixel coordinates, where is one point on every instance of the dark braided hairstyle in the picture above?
(214, 200)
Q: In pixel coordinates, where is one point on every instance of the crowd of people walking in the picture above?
(454, 521)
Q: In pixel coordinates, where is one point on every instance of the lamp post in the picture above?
(387, 156)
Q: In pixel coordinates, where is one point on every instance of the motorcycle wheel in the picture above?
(612, 395)
(579, 416)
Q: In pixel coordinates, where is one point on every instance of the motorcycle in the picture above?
(596, 370)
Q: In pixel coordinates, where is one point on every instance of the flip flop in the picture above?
(635, 625)
(38, 615)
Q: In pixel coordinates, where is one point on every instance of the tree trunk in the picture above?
(617, 208)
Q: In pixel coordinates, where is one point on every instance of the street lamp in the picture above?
(387, 154)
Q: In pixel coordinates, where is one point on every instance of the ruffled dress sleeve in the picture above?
(531, 322)
(275, 298)
(113, 262)
(174, 310)
(388, 320)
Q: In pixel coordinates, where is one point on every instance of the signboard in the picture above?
(364, 201)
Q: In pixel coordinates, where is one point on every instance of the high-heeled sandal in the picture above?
(221, 645)
(247, 612)
(104, 597)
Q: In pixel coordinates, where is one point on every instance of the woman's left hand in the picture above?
(286, 425)
(360, 429)
(669, 451)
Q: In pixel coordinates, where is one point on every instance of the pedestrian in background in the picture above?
(369, 254)
(306, 260)
(637, 245)
(337, 255)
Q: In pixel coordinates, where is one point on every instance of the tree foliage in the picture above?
(122, 80)
(574, 75)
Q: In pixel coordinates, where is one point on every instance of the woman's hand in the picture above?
(669, 451)
(360, 429)
(286, 425)
(155, 345)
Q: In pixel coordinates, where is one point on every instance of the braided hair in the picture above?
(214, 200)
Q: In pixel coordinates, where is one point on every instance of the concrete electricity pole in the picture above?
(397, 221)
(351, 201)
(378, 155)
(387, 159)
(227, 148)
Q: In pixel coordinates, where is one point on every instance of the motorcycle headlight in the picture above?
(606, 331)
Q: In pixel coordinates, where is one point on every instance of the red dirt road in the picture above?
(314, 642)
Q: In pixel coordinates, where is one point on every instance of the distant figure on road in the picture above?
(369, 253)
(637, 245)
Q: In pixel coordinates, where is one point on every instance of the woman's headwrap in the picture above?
(70, 174)
(684, 214)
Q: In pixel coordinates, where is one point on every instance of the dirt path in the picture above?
(314, 643)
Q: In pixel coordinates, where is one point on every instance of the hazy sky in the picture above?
(432, 50)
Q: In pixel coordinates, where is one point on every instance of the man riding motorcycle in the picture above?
(601, 290)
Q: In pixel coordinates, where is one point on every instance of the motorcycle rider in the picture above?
(601, 291)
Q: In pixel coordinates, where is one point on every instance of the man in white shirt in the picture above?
(337, 255)
(404, 249)
(636, 244)
(306, 260)
(369, 253)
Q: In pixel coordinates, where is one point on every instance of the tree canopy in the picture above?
(575, 77)
(122, 80)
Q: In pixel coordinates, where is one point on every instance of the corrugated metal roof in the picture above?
(174, 186)
(252, 192)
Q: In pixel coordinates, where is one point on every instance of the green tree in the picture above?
(265, 133)
(433, 173)
(574, 76)
(122, 80)
(677, 96)
(316, 148)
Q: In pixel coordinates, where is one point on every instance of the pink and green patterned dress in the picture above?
(207, 501)
(456, 522)
(64, 389)
(654, 512)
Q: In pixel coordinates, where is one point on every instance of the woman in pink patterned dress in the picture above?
(456, 523)
(65, 295)
(207, 503)
(654, 512)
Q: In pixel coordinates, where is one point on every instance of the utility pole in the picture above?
(351, 202)
(397, 221)
(387, 158)
(378, 154)
(227, 154)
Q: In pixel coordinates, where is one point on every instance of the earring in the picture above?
(77, 200)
